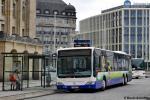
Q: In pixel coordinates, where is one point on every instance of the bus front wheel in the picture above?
(103, 85)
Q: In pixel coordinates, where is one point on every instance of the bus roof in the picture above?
(121, 52)
(72, 48)
(138, 58)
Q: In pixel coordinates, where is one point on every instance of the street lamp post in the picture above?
(54, 32)
(54, 48)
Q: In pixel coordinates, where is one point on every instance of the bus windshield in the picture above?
(74, 63)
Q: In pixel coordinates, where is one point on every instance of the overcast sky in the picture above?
(87, 8)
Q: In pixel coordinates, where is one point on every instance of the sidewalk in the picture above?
(33, 91)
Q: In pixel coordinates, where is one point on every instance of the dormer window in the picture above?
(69, 14)
(38, 11)
(47, 12)
(55, 12)
(63, 13)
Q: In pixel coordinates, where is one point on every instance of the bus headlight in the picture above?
(60, 83)
(90, 82)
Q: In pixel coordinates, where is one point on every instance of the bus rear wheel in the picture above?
(124, 82)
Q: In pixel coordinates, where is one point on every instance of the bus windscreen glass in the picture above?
(74, 63)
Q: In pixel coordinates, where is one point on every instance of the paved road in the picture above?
(135, 90)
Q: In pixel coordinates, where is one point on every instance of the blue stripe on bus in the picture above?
(97, 85)
(114, 81)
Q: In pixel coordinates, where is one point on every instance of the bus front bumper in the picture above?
(96, 85)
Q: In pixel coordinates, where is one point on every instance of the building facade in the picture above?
(122, 28)
(55, 24)
(17, 28)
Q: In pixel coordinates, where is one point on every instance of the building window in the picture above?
(3, 7)
(147, 13)
(46, 49)
(147, 21)
(2, 27)
(139, 51)
(38, 11)
(64, 39)
(133, 13)
(126, 21)
(133, 21)
(13, 30)
(63, 13)
(55, 12)
(139, 30)
(126, 35)
(69, 14)
(139, 21)
(126, 30)
(139, 34)
(23, 33)
(14, 10)
(126, 13)
(46, 39)
(126, 48)
(23, 13)
(132, 47)
(139, 13)
(120, 14)
(47, 12)
(57, 39)
(139, 38)
(74, 21)
(132, 35)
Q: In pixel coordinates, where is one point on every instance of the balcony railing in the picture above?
(57, 42)
(17, 38)
(52, 33)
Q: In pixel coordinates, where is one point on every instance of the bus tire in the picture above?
(103, 84)
(124, 80)
(127, 78)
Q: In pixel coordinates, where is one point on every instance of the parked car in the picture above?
(138, 73)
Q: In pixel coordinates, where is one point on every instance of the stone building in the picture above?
(56, 23)
(18, 28)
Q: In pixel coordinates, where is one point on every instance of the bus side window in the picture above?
(109, 60)
(96, 68)
(103, 63)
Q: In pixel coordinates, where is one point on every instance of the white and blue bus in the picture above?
(91, 68)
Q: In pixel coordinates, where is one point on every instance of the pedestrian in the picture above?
(12, 79)
(17, 79)
(107, 67)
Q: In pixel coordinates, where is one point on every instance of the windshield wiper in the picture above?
(66, 76)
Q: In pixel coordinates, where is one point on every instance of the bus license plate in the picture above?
(74, 87)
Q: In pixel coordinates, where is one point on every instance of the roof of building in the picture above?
(51, 5)
(139, 5)
(127, 4)
(54, 5)
(52, 1)
(70, 7)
